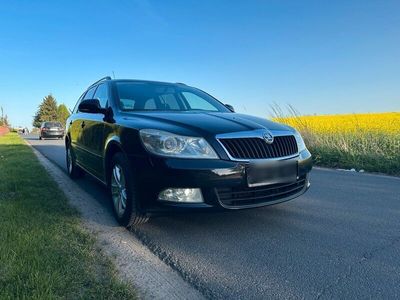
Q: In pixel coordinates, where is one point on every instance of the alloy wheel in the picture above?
(69, 160)
(118, 190)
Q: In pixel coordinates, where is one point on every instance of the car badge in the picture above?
(268, 137)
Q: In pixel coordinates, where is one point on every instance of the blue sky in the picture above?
(319, 56)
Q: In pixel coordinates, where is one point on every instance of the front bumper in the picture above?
(223, 183)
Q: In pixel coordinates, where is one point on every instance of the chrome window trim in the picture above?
(258, 133)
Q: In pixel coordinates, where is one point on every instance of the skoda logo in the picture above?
(268, 137)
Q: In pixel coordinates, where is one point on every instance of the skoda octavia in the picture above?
(168, 146)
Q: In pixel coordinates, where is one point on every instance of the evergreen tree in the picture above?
(63, 114)
(47, 111)
(36, 120)
(3, 118)
(5, 121)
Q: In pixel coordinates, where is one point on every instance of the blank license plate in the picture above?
(272, 172)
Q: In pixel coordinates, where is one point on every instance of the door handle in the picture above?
(83, 124)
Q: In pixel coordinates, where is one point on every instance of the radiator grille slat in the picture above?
(257, 148)
(260, 150)
(285, 147)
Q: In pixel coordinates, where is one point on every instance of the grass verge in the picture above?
(44, 252)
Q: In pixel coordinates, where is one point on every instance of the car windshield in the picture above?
(52, 124)
(148, 96)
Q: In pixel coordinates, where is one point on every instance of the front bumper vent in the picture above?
(236, 197)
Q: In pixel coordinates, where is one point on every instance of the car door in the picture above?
(77, 122)
(93, 132)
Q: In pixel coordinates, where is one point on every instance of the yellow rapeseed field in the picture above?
(368, 142)
(388, 123)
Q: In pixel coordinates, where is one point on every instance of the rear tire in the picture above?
(74, 171)
(124, 193)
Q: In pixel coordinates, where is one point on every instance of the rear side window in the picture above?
(90, 93)
(102, 95)
(77, 103)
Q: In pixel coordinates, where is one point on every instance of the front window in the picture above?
(148, 96)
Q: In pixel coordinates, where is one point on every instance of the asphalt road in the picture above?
(340, 240)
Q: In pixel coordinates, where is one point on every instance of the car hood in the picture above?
(205, 123)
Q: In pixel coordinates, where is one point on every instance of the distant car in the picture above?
(51, 130)
(168, 146)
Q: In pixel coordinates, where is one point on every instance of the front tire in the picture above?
(73, 170)
(124, 193)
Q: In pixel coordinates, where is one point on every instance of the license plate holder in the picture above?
(272, 172)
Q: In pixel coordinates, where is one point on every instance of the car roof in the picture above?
(97, 83)
(145, 81)
(137, 80)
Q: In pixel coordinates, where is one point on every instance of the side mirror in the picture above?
(230, 107)
(91, 106)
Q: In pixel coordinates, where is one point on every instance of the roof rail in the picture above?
(100, 80)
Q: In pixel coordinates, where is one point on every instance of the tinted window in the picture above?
(102, 94)
(197, 103)
(164, 97)
(52, 124)
(150, 104)
(90, 93)
(127, 104)
(170, 101)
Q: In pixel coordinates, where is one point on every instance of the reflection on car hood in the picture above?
(203, 122)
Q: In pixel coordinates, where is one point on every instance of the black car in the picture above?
(168, 146)
(51, 130)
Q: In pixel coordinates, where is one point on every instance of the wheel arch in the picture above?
(67, 139)
(113, 146)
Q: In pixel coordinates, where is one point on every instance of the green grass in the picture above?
(44, 252)
(372, 152)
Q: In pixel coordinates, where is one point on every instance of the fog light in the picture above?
(181, 195)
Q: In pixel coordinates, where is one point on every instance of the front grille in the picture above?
(257, 148)
(245, 196)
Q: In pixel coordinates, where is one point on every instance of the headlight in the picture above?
(300, 142)
(169, 144)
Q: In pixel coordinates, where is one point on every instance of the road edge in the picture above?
(135, 263)
(356, 172)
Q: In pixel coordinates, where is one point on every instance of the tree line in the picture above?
(49, 110)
